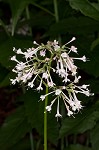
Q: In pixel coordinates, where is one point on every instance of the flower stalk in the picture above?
(57, 16)
(45, 121)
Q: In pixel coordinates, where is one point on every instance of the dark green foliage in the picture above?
(79, 18)
(80, 123)
(77, 147)
(14, 128)
(35, 112)
(95, 137)
(87, 8)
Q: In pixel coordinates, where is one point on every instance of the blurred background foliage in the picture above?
(21, 115)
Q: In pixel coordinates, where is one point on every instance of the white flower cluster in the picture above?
(41, 62)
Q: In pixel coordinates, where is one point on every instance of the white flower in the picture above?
(68, 63)
(48, 108)
(45, 75)
(78, 105)
(61, 68)
(13, 81)
(42, 53)
(84, 59)
(47, 59)
(34, 42)
(57, 65)
(76, 80)
(42, 97)
(49, 80)
(73, 39)
(64, 55)
(71, 66)
(58, 92)
(13, 58)
(74, 49)
(19, 51)
(55, 45)
(82, 90)
(40, 86)
(34, 51)
(13, 70)
(84, 86)
(30, 84)
(28, 54)
(14, 49)
(58, 115)
(50, 84)
(86, 93)
(55, 42)
(69, 112)
(71, 102)
(20, 66)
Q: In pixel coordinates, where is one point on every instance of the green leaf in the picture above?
(31, 104)
(3, 25)
(94, 44)
(23, 144)
(86, 7)
(42, 8)
(53, 127)
(6, 79)
(3, 73)
(14, 128)
(95, 137)
(35, 115)
(94, 85)
(91, 66)
(40, 21)
(79, 124)
(6, 49)
(71, 25)
(77, 147)
(18, 7)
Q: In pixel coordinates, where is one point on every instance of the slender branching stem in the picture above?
(28, 17)
(31, 140)
(57, 17)
(45, 121)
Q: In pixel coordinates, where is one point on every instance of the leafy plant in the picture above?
(25, 21)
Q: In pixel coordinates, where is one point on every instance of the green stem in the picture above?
(28, 17)
(42, 8)
(45, 122)
(56, 11)
(57, 17)
(31, 140)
